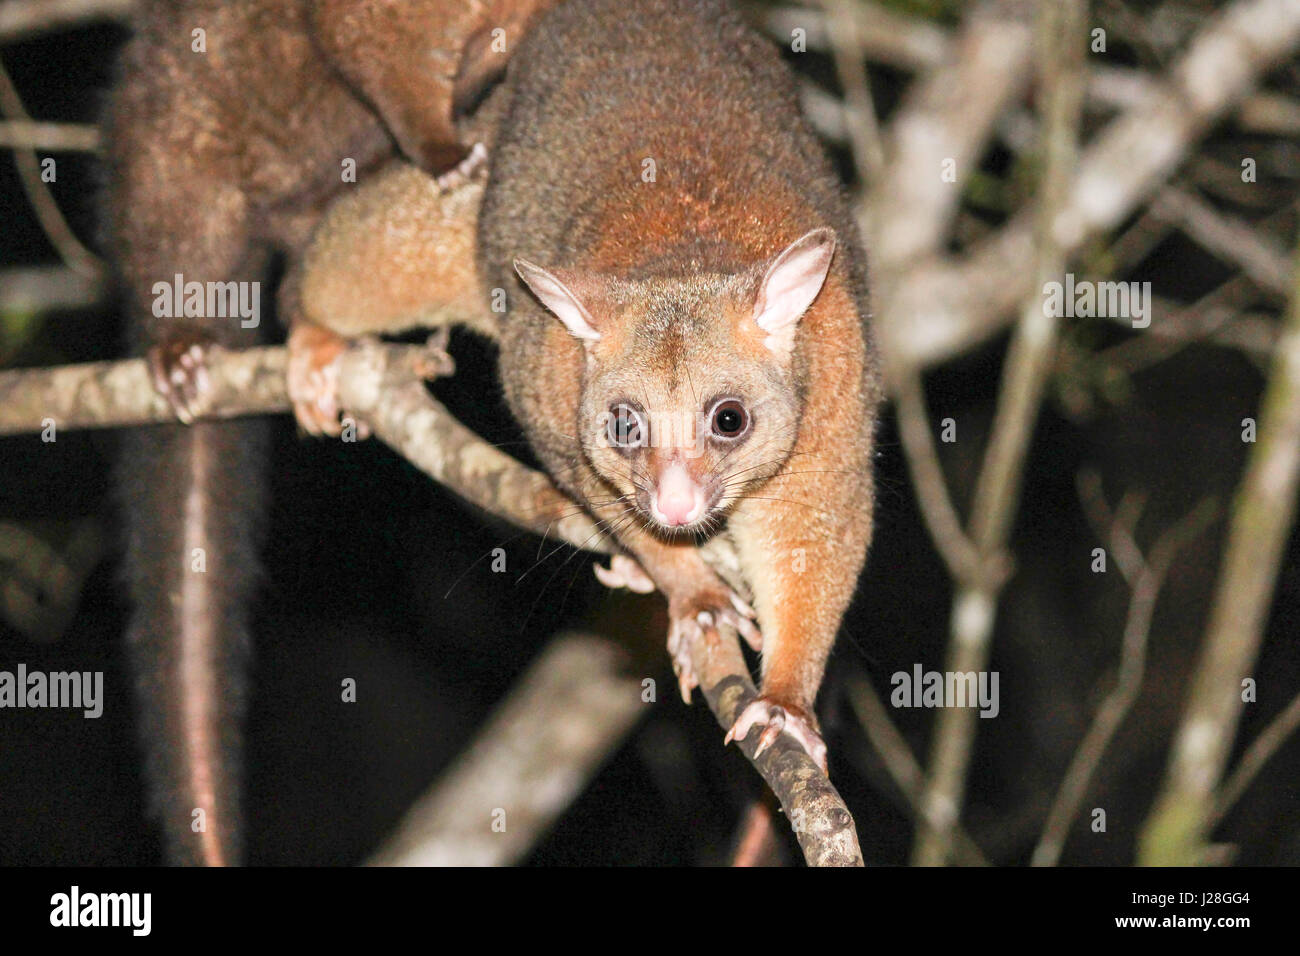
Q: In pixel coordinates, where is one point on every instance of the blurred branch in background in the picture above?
(560, 721)
(1145, 576)
(943, 306)
(71, 250)
(902, 766)
(1178, 830)
(1269, 742)
(1060, 50)
(49, 137)
(48, 289)
(20, 19)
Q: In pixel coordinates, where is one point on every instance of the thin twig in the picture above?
(1261, 749)
(1115, 707)
(901, 765)
(1229, 238)
(963, 558)
(70, 248)
(49, 137)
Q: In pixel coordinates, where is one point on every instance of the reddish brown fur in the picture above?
(601, 84)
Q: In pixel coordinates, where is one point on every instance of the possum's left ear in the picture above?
(791, 284)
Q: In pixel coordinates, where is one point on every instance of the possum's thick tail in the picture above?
(192, 496)
(193, 499)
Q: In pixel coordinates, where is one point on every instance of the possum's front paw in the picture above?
(778, 718)
(313, 377)
(696, 617)
(178, 368)
(624, 572)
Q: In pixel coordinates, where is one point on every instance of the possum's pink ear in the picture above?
(791, 284)
(559, 298)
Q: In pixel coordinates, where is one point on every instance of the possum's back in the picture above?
(646, 136)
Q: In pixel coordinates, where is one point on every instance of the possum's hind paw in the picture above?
(778, 718)
(178, 368)
(464, 171)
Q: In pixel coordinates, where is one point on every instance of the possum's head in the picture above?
(689, 398)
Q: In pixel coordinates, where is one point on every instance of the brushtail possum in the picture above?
(685, 333)
(658, 246)
(230, 125)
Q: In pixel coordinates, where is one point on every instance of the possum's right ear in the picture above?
(560, 299)
(792, 282)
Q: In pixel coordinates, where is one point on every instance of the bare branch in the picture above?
(70, 248)
(822, 824)
(1060, 54)
(48, 288)
(1252, 761)
(884, 36)
(527, 764)
(1229, 238)
(902, 765)
(945, 119)
(1178, 829)
(49, 137)
(959, 553)
(950, 306)
(20, 19)
(1114, 709)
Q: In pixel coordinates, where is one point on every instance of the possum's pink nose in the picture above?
(677, 499)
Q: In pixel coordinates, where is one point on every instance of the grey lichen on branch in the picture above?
(382, 384)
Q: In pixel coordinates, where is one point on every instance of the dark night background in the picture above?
(372, 571)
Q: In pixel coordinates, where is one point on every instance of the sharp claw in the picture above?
(776, 719)
(770, 733)
(607, 577)
(744, 609)
(748, 631)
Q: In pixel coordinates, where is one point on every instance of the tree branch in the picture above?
(532, 758)
(1146, 581)
(20, 19)
(49, 137)
(944, 307)
(1178, 829)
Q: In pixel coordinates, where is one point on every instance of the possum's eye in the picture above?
(730, 419)
(626, 428)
